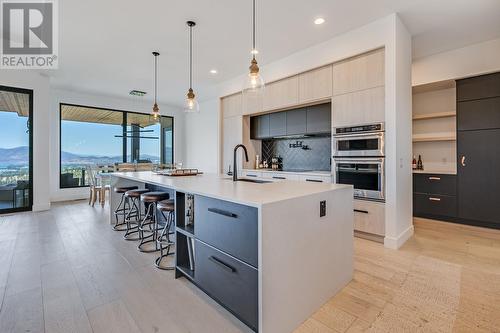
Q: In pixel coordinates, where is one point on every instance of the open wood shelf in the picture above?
(434, 115)
(434, 137)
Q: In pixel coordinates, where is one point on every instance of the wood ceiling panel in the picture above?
(14, 102)
(102, 116)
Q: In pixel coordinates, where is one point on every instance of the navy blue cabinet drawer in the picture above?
(434, 205)
(230, 227)
(231, 282)
(435, 184)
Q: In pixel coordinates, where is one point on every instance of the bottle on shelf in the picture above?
(414, 163)
(420, 165)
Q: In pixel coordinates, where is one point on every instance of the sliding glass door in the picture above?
(92, 136)
(16, 131)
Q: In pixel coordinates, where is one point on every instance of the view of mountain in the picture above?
(19, 156)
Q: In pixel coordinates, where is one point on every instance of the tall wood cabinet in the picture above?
(232, 128)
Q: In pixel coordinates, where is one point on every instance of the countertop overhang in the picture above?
(224, 188)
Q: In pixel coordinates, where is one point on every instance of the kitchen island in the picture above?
(271, 253)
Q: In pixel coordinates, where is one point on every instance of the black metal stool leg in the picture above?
(165, 243)
(151, 238)
(121, 210)
(134, 212)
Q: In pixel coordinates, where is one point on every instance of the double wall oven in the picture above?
(358, 159)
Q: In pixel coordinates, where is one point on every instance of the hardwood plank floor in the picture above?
(66, 270)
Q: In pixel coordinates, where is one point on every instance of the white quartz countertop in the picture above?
(442, 172)
(223, 187)
(305, 173)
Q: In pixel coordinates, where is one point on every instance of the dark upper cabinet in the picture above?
(259, 127)
(296, 121)
(484, 86)
(478, 175)
(319, 118)
(478, 114)
(277, 124)
(314, 119)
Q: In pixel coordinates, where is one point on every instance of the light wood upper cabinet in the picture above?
(281, 94)
(232, 106)
(359, 73)
(316, 84)
(361, 107)
(252, 103)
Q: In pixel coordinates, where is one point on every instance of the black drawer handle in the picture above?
(279, 177)
(222, 264)
(361, 211)
(314, 180)
(222, 212)
(434, 178)
(250, 175)
(434, 199)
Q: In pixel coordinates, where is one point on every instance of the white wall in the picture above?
(202, 136)
(467, 61)
(40, 85)
(388, 32)
(126, 104)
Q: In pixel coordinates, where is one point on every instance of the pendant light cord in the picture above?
(253, 29)
(156, 76)
(191, 57)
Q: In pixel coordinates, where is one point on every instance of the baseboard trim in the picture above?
(396, 242)
(40, 207)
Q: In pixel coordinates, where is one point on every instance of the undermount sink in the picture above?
(258, 181)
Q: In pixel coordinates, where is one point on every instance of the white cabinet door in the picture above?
(232, 134)
(361, 107)
(281, 94)
(315, 85)
(316, 179)
(359, 73)
(369, 217)
(232, 106)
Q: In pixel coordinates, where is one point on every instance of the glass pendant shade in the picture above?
(254, 84)
(191, 104)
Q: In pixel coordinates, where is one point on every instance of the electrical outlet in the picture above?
(322, 208)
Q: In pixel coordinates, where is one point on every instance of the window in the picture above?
(94, 137)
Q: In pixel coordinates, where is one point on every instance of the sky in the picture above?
(77, 137)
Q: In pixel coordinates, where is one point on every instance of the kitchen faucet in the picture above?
(235, 168)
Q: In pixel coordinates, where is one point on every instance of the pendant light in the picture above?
(156, 109)
(191, 104)
(254, 83)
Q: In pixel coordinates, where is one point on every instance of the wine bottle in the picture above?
(420, 165)
(414, 163)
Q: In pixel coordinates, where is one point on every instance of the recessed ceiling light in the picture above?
(319, 21)
(213, 71)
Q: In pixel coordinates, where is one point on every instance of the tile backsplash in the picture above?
(315, 157)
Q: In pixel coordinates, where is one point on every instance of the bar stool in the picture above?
(165, 207)
(149, 223)
(121, 209)
(134, 199)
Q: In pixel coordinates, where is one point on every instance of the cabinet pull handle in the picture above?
(314, 180)
(222, 264)
(434, 199)
(250, 175)
(462, 161)
(361, 211)
(434, 178)
(278, 177)
(222, 212)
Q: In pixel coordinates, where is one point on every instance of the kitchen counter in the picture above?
(305, 173)
(270, 253)
(439, 172)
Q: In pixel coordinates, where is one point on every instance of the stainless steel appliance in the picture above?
(356, 141)
(367, 175)
(358, 159)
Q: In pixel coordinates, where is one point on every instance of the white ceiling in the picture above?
(105, 46)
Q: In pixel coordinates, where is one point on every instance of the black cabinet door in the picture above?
(484, 86)
(319, 119)
(277, 124)
(259, 127)
(478, 114)
(296, 121)
(478, 169)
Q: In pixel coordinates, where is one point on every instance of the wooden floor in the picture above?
(65, 270)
